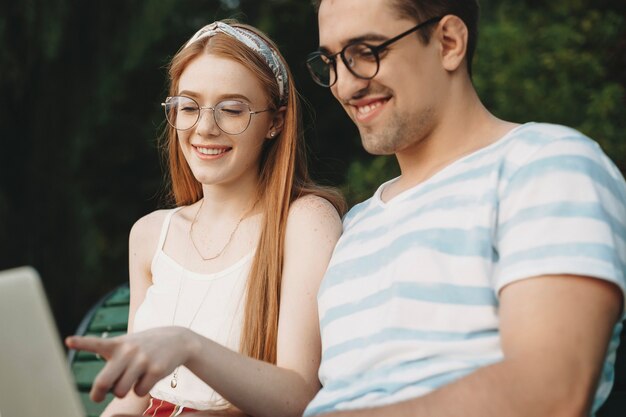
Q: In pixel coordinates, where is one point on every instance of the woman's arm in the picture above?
(255, 387)
(141, 248)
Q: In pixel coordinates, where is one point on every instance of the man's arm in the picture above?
(555, 331)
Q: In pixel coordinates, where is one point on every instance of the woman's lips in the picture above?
(211, 152)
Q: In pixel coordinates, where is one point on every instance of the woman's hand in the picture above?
(139, 359)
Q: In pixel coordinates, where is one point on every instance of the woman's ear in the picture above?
(278, 121)
(453, 38)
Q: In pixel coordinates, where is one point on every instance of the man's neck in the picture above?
(463, 127)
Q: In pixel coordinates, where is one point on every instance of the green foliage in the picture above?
(80, 163)
(553, 63)
(363, 177)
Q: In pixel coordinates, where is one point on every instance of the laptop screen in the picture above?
(35, 380)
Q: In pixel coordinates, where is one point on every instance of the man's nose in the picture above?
(347, 85)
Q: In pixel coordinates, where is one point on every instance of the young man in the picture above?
(486, 280)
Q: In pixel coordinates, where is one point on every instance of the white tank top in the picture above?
(217, 302)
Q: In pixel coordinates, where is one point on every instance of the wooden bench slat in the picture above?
(85, 372)
(94, 409)
(107, 318)
(121, 297)
(114, 318)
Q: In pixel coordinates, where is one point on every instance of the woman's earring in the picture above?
(272, 134)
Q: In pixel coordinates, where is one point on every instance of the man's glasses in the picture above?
(360, 58)
(231, 116)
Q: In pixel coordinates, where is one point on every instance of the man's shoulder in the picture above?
(548, 130)
(356, 212)
(536, 146)
(529, 138)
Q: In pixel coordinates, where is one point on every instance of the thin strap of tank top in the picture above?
(166, 226)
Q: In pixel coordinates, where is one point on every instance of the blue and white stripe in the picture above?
(409, 302)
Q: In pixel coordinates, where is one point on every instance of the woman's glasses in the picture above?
(231, 116)
(360, 58)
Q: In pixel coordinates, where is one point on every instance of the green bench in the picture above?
(107, 318)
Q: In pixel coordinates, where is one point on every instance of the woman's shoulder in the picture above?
(313, 212)
(147, 229)
(313, 228)
(313, 205)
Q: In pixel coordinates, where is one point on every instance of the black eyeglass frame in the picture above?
(212, 108)
(375, 49)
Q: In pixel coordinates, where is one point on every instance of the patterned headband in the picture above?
(254, 42)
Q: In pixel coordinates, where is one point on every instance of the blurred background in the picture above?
(82, 83)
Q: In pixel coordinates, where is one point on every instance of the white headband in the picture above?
(252, 41)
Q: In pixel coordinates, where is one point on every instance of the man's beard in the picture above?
(402, 131)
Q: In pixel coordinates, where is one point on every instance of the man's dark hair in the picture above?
(422, 10)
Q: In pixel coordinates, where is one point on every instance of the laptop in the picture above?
(35, 380)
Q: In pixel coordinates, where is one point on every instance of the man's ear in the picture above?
(278, 122)
(453, 36)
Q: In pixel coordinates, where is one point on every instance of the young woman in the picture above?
(251, 237)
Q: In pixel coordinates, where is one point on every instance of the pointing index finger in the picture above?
(100, 346)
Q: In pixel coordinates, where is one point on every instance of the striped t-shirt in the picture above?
(410, 299)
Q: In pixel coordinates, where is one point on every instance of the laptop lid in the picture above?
(35, 379)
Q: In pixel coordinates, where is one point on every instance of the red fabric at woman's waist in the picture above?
(160, 408)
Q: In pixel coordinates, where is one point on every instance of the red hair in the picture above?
(283, 177)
